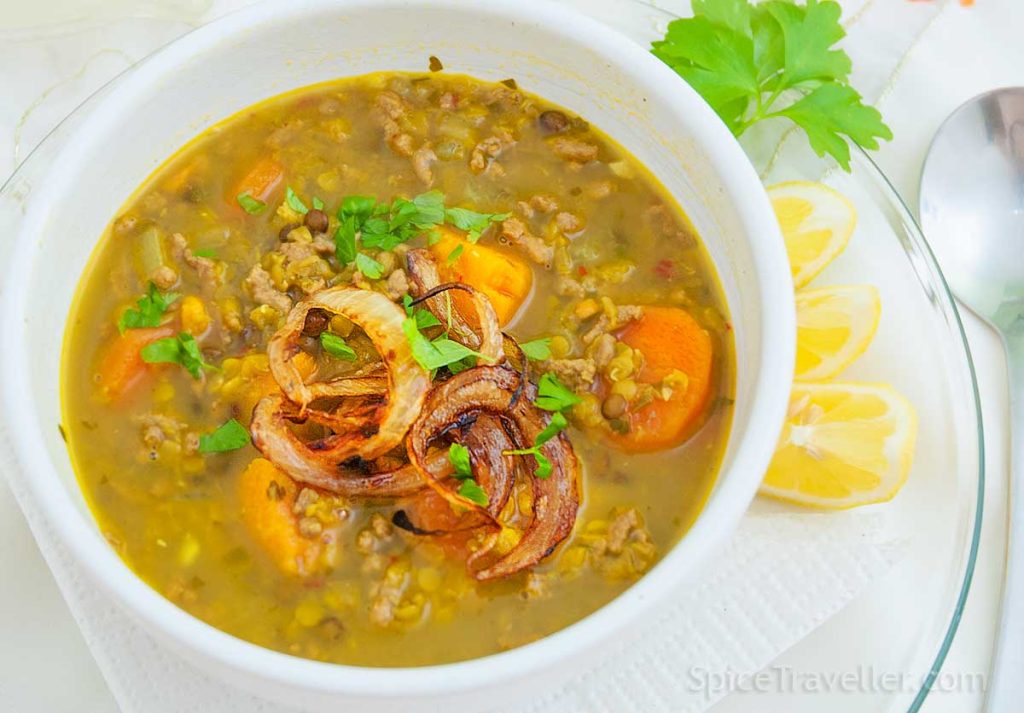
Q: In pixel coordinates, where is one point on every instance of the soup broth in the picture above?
(586, 263)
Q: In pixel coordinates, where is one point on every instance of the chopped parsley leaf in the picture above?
(151, 308)
(336, 347)
(250, 205)
(183, 350)
(228, 437)
(537, 349)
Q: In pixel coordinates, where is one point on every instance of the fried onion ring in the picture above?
(491, 390)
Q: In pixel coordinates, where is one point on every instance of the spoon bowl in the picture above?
(972, 210)
(972, 204)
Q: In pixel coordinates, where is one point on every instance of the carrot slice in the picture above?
(670, 339)
(504, 279)
(265, 177)
(121, 368)
(266, 496)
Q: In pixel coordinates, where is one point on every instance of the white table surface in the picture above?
(44, 663)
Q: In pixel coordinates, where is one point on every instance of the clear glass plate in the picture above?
(904, 624)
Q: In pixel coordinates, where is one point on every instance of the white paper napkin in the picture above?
(782, 576)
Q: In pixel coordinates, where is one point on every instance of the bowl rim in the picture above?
(709, 532)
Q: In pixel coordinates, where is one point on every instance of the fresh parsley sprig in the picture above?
(230, 436)
(554, 396)
(537, 349)
(458, 456)
(775, 59)
(383, 226)
(151, 308)
(182, 349)
(336, 347)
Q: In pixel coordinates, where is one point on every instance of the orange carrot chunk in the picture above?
(267, 496)
(121, 368)
(670, 340)
(504, 279)
(262, 180)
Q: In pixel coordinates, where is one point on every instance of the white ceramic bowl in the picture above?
(271, 48)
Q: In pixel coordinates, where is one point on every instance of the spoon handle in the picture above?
(1006, 684)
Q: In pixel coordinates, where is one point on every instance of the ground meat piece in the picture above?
(205, 268)
(401, 143)
(390, 105)
(665, 224)
(263, 291)
(164, 277)
(599, 189)
(387, 595)
(568, 223)
(449, 101)
(514, 231)
(553, 122)
(537, 586)
(620, 528)
(504, 98)
(294, 252)
(544, 203)
(571, 149)
(191, 442)
(285, 134)
(524, 209)
(380, 526)
(422, 159)
(483, 154)
(324, 244)
(397, 285)
(574, 373)
(603, 325)
(569, 287)
(157, 428)
(310, 527)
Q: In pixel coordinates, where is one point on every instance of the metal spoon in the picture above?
(972, 210)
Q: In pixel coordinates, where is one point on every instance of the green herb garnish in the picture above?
(336, 347)
(250, 205)
(368, 266)
(556, 425)
(205, 252)
(294, 202)
(151, 308)
(553, 395)
(537, 349)
(472, 222)
(774, 59)
(317, 204)
(228, 437)
(458, 455)
(437, 353)
(183, 350)
(471, 491)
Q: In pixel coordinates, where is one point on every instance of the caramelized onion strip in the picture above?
(428, 289)
(407, 382)
(490, 390)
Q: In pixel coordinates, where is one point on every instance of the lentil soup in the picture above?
(397, 370)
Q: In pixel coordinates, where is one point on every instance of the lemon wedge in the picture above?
(834, 326)
(816, 223)
(843, 445)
